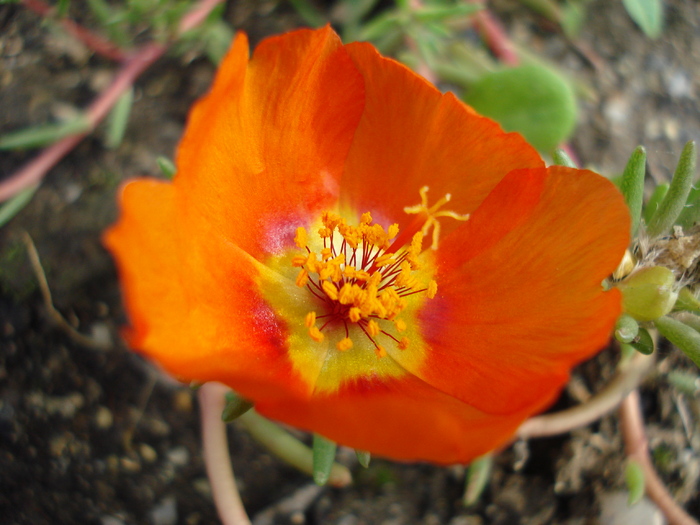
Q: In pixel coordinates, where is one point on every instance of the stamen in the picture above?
(360, 279)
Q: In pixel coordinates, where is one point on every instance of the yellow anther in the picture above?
(393, 231)
(373, 328)
(316, 334)
(330, 289)
(403, 344)
(344, 344)
(400, 325)
(366, 218)
(349, 272)
(432, 289)
(379, 350)
(347, 293)
(312, 263)
(354, 314)
(301, 238)
(324, 233)
(299, 260)
(302, 279)
(362, 275)
(384, 260)
(310, 319)
(326, 254)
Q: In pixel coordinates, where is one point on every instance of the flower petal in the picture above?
(411, 136)
(520, 299)
(401, 418)
(264, 151)
(192, 296)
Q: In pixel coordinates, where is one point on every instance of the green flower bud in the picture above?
(649, 293)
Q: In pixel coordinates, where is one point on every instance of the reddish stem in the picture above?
(496, 38)
(93, 41)
(632, 425)
(135, 64)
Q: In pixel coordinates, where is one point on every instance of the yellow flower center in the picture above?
(358, 280)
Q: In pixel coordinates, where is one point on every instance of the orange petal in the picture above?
(264, 151)
(519, 289)
(402, 419)
(192, 298)
(411, 136)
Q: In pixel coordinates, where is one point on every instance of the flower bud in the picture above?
(649, 293)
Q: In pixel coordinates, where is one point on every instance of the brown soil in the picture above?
(99, 437)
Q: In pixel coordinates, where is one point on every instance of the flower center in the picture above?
(359, 281)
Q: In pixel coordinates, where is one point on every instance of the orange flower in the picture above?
(299, 256)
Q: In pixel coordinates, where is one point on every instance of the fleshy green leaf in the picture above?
(37, 136)
(653, 204)
(677, 196)
(681, 335)
(235, 407)
(119, 118)
(477, 477)
(531, 99)
(13, 206)
(363, 457)
(648, 14)
(324, 455)
(687, 301)
(561, 158)
(643, 343)
(167, 167)
(288, 448)
(632, 185)
(634, 479)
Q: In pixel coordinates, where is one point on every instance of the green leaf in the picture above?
(167, 167)
(634, 479)
(288, 448)
(38, 136)
(643, 343)
(119, 118)
(324, 455)
(632, 185)
(531, 99)
(442, 13)
(477, 477)
(573, 16)
(684, 382)
(653, 204)
(15, 204)
(687, 301)
(561, 158)
(363, 457)
(671, 207)
(235, 407)
(648, 14)
(681, 335)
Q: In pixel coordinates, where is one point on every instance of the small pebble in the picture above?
(183, 401)
(178, 456)
(616, 511)
(148, 453)
(129, 465)
(104, 418)
(165, 513)
(111, 520)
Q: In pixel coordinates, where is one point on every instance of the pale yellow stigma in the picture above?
(433, 214)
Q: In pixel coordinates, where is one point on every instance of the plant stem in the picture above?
(632, 425)
(216, 457)
(626, 379)
(134, 65)
(93, 41)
